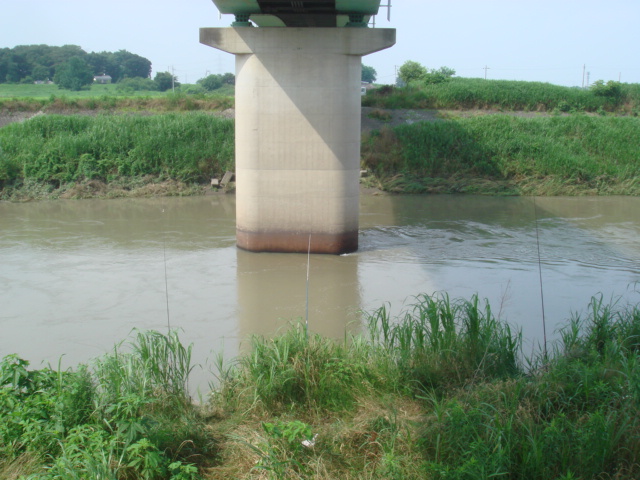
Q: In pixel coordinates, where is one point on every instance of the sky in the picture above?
(556, 41)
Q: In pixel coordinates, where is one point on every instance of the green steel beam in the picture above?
(279, 13)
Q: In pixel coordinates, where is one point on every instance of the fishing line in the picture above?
(166, 283)
(306, 328)
(544, 323)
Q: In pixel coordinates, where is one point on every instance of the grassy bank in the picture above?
(507, 95)
(502, 154)
(143, 102)
(106, 154)
(65, 150)
(442, 392)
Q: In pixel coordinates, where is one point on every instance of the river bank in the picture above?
(96, 154)
(441, 391)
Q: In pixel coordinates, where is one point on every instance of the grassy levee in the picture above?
(474, 93)
(57, 150)
(503, 154)
(441, 391)
(113, 152)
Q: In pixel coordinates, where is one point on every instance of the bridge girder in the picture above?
(300, 13)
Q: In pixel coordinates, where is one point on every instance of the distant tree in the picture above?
(103, 63)
(440, 75)
(129, 65)
(211, 82)
(137, 66)
(369, 74)
(411, 71)
(75, 74)
(214, 81)
(16, 67)
(137, 84)
(229, 79)
(40, 72)
(22, 63)
(164, 81)
(611, 89)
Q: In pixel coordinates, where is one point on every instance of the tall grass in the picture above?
(576, 416)
(59, 148)
(481, 410)
(440, 391)
(474, 93)
(598, 153)
(439, 344)
(129, 415)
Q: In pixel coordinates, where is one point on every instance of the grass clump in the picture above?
(438, 344)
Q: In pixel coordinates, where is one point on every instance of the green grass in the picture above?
(50, 99)
(21, 91)
(441, 391)
(63, 149)
(580, 153)
(473, 93)
(129, 415)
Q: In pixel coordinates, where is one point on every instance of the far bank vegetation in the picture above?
(486, 137)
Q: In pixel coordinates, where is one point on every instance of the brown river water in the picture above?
(77, 276)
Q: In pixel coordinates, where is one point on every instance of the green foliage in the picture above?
(439, 75)
(369, 74)
(611, 89)
(581, 151)
(574, 417)
(129, 417)
(411, 71)
(75, 74)
(474, 93)
(295, 370)
(60, 148)
(214, 82)
(283, 453)
(439, 344)
(136, 84)
(440, 391)
(165, 81)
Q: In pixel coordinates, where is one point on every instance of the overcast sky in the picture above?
(542, 40)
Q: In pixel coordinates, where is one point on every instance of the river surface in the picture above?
(77, 276)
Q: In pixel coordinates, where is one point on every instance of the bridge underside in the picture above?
(301, 13)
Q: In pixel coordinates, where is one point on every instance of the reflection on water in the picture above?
(77, 276)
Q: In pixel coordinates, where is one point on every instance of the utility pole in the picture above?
(173, 86)
(584, 68)
(485, 71)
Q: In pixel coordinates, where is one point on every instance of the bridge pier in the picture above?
(297, 134)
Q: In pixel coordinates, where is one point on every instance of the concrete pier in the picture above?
(297, 133)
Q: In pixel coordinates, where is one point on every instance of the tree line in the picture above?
(30, 63)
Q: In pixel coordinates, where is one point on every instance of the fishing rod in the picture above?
(544, 323)
(166, 283)
(306, 327)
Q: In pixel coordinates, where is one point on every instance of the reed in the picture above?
(305, 371)
(437, 344)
